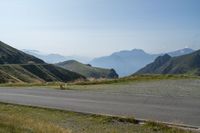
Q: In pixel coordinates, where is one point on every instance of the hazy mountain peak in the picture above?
(28, 50)
(181, 52)
(134, 52)
(55, 58)
(138, 50)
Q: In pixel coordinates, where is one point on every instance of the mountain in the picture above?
(17, 66)
(181, 52)
(49, 58)
(55, 58)
(185, 64)
(10, 55)
(127, 62)
(156, 66)
(87, 70)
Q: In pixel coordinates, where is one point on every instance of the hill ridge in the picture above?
(185, 64)
(87, 70)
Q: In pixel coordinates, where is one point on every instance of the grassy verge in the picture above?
(47, 84)
(17, 119)
(99, 83)
(134, 78)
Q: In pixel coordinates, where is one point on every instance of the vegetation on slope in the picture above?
(134, 78)
(87, 70)
(35, 73)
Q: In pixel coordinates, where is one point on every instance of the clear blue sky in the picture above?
(100, 27)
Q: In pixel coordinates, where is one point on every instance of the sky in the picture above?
(100, 27)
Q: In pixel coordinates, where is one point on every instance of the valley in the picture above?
(99, 66)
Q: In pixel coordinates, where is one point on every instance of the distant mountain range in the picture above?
(87, 70)
(185, 64)
(55, 58)
(17, 66)
(124, 62)
(128, 62)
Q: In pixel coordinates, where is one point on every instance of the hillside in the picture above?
(186, 64)
(33, 73)
(127, 62)
(17, 66)
(10, 55)
(87, 70)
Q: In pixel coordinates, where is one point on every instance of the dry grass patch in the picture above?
(22, 119)
(18, 123)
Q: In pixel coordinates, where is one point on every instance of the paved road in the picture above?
(185, 110)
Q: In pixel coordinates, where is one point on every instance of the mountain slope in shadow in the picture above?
(17, 66)
(185, 64)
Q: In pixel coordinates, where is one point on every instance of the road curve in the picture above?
(180, 110)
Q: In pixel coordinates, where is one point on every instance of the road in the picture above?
(182, 110)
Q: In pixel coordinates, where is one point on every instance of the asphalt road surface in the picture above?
(182, 110)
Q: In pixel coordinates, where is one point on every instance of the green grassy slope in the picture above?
(87, 70)
(186, 64)
(35, 73)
